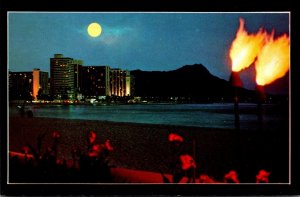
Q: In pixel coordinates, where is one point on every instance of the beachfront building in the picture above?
(98, 81)
(95, 81)
(65, 76)
(127, 82)
(28, 85)
(20, 85)
(40, 83)
(120, 82)
(77, 64)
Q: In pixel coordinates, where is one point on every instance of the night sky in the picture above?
(146, 41)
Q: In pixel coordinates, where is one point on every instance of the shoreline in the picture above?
(223, 115)
(146, 147)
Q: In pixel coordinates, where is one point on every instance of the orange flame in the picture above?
(245, 47)
(273, 61)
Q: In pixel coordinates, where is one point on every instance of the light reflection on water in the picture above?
(199, 115)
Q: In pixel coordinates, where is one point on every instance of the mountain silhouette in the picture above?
(190, 82)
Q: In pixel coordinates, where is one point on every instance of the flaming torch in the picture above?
(272, 62)
(243, 52)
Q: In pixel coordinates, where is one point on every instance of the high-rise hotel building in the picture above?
(104, 81)
(95, 81)
(120, 82)
(65, 77)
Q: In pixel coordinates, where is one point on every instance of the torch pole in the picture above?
(236, 83)
(236, 110)
(260, 98)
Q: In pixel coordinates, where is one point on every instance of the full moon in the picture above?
(94, 29)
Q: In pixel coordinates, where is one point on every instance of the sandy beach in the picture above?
(146, 147)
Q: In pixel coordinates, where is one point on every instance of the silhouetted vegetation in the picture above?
(45, 166)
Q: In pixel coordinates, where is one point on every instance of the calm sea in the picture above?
(198, 115)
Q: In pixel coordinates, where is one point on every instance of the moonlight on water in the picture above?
(94, 30)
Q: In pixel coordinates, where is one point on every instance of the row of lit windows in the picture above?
(20, 74)
(62, 70)
(63, 78)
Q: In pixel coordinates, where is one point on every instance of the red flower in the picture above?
(108, 145)
(56, 134)
(262, 177)
(231, 176)
(95, 150)
(92, 137)
(175, 138)
(187, 162)
(206, 179)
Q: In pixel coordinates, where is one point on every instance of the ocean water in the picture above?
(199, 115)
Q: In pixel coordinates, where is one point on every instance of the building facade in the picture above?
(40, 83)
(20, 85)
(120, 82)
(65, 77)
(28, 85)
(95, 81)
(77, 64)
